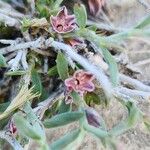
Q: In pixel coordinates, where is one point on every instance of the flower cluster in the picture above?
(62, 22)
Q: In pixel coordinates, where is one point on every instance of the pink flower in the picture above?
(62, 22)
(95, 6)
(80, 82)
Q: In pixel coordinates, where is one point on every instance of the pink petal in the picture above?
(78, 74)
(53, 21)
(83, 76)
(70, 20)
(62, 13)
(68, 29)
(70, 82)
(88, 86)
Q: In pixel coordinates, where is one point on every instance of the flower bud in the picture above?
(93, 117)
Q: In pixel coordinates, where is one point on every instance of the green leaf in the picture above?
(92, 98)
(57, 4)
(25, 127)
(53, 71)
(77, 142)
(92, 28)
(113, 68)
(65, 140)
(25, 24)
(96, 131)
(36, 81)
(145, 22)
(64, 107)
(62, 66)
(3, 106)
(2, 61)
(81, 15)
(33, 119)
(63, 119)
(132, 119)
(15, 73)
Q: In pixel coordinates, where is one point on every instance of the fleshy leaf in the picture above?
(36, 82)
(81, 15)
(62, 66)
(25, 127)
(145, 22)
(92, 98)
(65, 140)
(130, 122)
(15, 73)
(113, 68)
(63, 119)
(2, 61)
(53, 71)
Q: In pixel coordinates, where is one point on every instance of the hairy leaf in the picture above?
(53, 71)
(132, 119)
(15, 73)
(114, 74)
(81, 15)
(25, 127)
(92, 98)
(65, 140)
(2, 61)
(63, 119)
(62, 66)
(36, 82)
(145, 22)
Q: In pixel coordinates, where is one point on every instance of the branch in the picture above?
(11, 140)
(43, 106)
(135, 83)
(134, 94)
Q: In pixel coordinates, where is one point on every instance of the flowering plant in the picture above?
(60, 71)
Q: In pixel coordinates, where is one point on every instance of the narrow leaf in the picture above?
(53, 71)
(3, 106)
(77, 142)
(25, 127)
(57, 3)
(132, 119)
(63, 107)
(96, 131)
(92, 98)
(81, 15)
(63, 119)
(15, 73)
(145, 22)
(2, 61)
(36, 81)
(62, 66)
(113, 68)
(65, 140)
